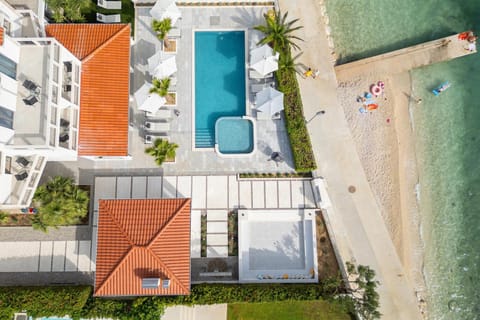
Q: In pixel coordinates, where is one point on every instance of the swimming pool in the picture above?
(234, 135)
(219, 81)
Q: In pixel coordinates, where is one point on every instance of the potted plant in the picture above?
(162, 28)
(160, 86)
(162, 150)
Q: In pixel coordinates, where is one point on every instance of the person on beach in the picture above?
(315, 74)
(308, 73)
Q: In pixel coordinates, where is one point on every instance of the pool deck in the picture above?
(271, 134)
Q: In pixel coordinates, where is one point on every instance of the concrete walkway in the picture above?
(358, 228)
(210, 312)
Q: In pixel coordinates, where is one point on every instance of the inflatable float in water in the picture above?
(444, 86)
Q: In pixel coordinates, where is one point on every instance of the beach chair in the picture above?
(150, 138)
(157, 126)
(161, 114)
(108, 18)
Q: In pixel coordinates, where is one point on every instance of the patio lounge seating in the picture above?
(32, 86)
(253, 74)
(150, 138)
(64, 137)
(108, 4)
(21, 176)
(22, 161)
(160, 114)
(108, 18)
(30, 100)
(157, 126)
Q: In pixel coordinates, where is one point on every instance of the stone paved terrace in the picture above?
(271, 134)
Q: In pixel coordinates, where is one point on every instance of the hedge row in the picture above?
(78, 302)
(295, 121)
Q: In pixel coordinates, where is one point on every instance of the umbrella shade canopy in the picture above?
(269, 101)
(159, 68)
(152, 103)
(142, 94)
(263, 60)
(147, 101)
(166, 9)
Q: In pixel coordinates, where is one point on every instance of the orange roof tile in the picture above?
(143, 239)
(104, 50)
(1, 35)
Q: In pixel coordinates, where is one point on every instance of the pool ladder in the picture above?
(204, 138)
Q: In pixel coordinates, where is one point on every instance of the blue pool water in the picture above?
(234, 135)
(219, 81)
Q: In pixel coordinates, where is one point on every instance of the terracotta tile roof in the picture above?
(2, 31)
(104, 50)
(143, 239)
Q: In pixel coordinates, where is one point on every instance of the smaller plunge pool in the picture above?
(234, 136)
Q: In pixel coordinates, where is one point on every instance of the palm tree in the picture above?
(68, 10)
(162, 28)
(278, 32)
(160, 87)
(288, 63)
(59, 202)
(162, 150)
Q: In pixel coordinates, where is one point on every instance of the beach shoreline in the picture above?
(386, 147)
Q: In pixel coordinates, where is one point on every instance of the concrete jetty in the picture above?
(405, 59)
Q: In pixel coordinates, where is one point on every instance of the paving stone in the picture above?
(104, 189)
(58, 263)
(308, 194)
(217, 239)
(199, 192)
(271, 194)
(84, 251)
(217, 192)
(184, 186)
(217, 215)
(258, 194)
(245, 191)
(232, 192)
(124, 186)
(46, 248)
(154, 187)
(169, 187)
(139, 187)
(297, 194)
(217, 227)
(217, 251)
(195, 234)
(19, 256)
(71, 256)
(284, 194)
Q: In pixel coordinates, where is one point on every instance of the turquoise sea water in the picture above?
(219, 81)
(447, 133)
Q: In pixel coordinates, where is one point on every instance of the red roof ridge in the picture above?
(92, 53)
(167, 224)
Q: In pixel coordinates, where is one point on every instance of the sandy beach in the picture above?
(385, 145)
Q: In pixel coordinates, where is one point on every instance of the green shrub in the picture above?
(296, 127)
(43, 301)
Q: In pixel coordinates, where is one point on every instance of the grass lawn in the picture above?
(287, 310)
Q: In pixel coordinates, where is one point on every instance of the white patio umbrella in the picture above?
(159, 68)
(263, 60)
(269, 101)
(166, 9)
(147, 101)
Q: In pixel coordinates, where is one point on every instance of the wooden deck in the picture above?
(405, 59)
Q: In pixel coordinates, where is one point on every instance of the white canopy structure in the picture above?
(166, 9)
(269, 101)
(263, 60)
(161, 66)
(147, 101)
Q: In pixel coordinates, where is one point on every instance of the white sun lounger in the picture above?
(160, 114)
(157, 126)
